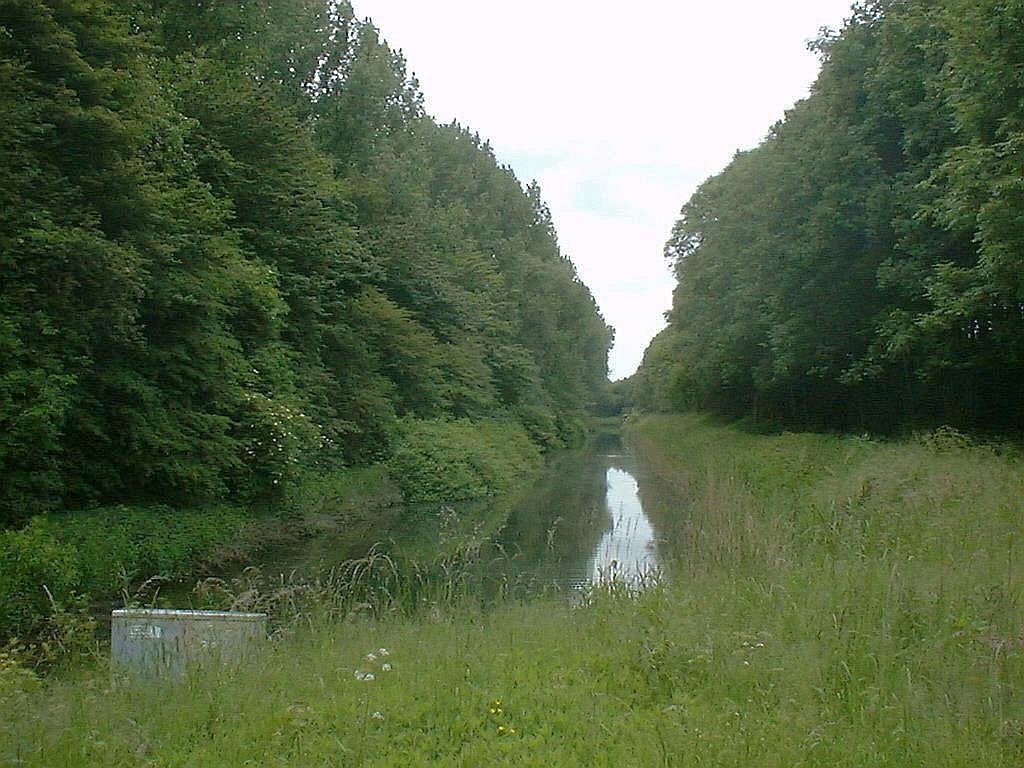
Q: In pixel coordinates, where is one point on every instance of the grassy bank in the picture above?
(838, 602)
(890, 574)
(55, 567)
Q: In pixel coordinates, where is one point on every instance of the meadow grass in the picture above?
(836, 602)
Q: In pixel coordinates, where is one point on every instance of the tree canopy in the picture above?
(862, 267)
(233, 243)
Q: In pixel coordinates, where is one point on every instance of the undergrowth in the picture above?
(59, 563)
(835, 602)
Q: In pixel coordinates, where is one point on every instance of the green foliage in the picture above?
(233, 244)
(453, 460)
(94, 555)
(861, 266)
(235, 251)
(97, 553)
(117, 547)
(839, 601)
(279, 437)
(39, 571)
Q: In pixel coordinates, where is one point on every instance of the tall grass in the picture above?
(837, 602)
(895, 569)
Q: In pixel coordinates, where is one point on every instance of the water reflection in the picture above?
(594, 514)
(584, 522)
(628, 549)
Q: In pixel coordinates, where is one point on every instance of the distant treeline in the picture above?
(232, 243)
(864, 266)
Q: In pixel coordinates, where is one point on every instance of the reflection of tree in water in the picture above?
(590, 508)
(553, 535)
(557, 527)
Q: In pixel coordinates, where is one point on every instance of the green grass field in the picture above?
(837, 602)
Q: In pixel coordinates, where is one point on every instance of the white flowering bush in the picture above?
(279, 437)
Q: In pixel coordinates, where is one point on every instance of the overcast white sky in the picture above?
(620, 110)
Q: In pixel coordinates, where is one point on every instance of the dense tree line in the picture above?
(864, 266)
(233, 243)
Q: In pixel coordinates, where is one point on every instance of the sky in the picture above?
(618, 110)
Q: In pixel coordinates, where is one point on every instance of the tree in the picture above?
(233, 244)
(861, 266)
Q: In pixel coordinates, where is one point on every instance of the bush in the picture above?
(33, 561)
(98, 552)
(457, 460)
(541, 424)
(120, 545)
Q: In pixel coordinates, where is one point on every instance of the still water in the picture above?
(586, 521)
(629, 546)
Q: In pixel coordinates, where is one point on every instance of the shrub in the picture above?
(124, 544)
(33, 561)
(456, 460)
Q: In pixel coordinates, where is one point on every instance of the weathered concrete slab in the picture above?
(163, 641)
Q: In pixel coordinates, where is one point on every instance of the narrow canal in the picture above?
(585, 521)
(594, 514)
